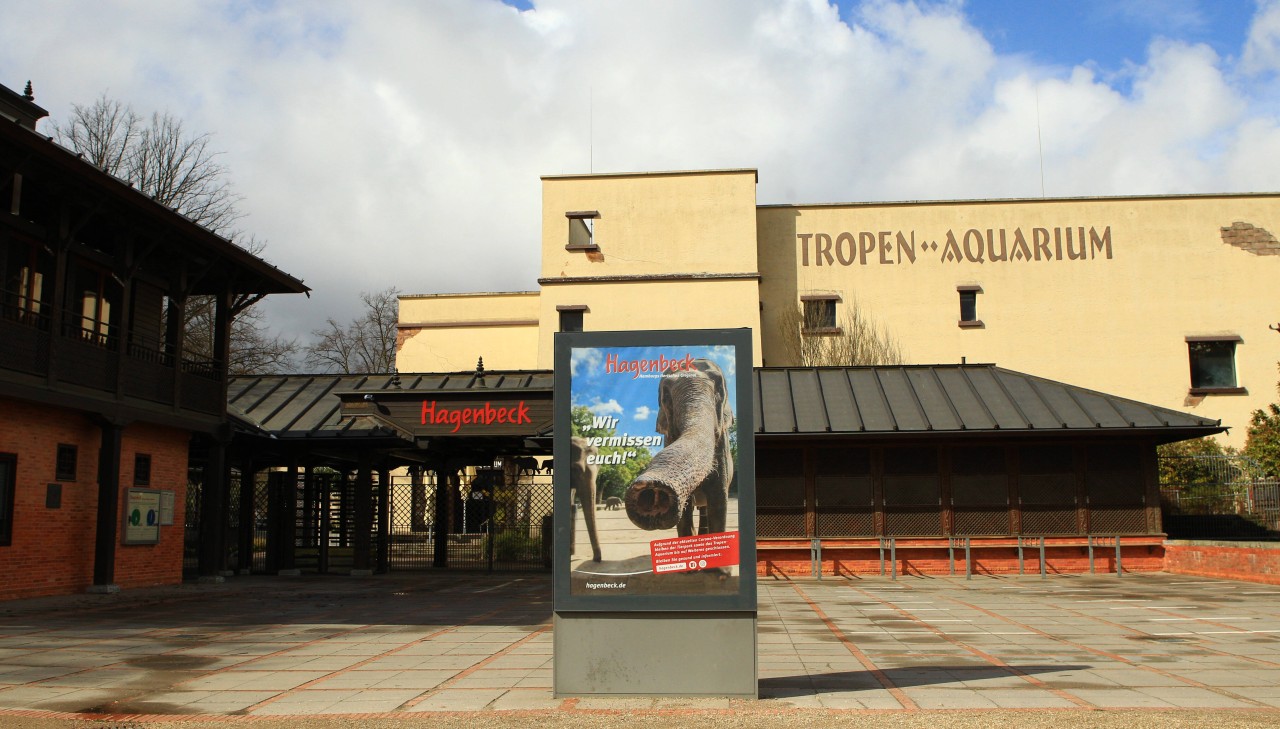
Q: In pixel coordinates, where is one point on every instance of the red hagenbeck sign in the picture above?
(486, 414)
(685, 554)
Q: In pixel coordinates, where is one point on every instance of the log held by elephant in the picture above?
(695, 468)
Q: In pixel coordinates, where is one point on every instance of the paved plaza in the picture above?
(412, 645)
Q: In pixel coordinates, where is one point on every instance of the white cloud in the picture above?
(605, 407)
(643, 413)
(1262, 49)
(400, 143)
(584, 359)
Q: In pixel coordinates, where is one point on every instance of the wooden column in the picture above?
(108, 523)
(248, 520)
(384, 520)
(446, 482)
(809, 459)
(288, 523)
(417, 501)
(1082, 489)
(213, 514)
(362, 561)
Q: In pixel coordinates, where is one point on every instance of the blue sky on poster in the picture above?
(633, 400)
(394, 142)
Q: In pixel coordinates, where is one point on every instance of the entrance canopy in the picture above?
(410, 416)
(417, 415)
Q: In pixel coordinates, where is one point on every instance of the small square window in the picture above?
(571, 317)
(65, 465)
(1213, 363)
(820, 314)
(142, 469)
(969, 306)
(582, 230)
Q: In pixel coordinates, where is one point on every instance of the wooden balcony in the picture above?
(107, 361)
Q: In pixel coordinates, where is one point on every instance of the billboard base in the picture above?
(633, 653)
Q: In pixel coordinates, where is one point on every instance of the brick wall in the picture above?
(930, 557)
(1258, 241)
(1248, 561)
(140, 565)
(52, 548)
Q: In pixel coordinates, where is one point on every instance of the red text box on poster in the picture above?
(685, 554)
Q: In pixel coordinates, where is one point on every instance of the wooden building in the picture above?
(937, 456)
(101, 400)
(852, 465)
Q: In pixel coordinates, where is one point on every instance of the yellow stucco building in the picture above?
(1167, 300)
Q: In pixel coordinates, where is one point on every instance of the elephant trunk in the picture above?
(660, 494)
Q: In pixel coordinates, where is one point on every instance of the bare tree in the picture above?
(180, 171)
(159, 157)
(858, 340)
(366, 344)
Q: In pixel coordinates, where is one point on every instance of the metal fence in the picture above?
(496, 524)
(495, 521)
(1218, 497)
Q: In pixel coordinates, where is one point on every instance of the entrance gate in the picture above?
(499, 520)
(497, 523)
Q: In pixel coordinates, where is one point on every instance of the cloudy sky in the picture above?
(399, 143)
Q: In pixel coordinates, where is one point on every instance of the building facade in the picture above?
(102, 399)
(1163, 299)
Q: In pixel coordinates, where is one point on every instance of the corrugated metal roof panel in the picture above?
(1028, 399)
(876, 413)
(935, 400)
(810, 405)
(901, 397)
(1004, 409)
(945, 399)
(775, 402)
(842, 409)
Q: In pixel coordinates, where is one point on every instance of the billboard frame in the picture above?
(744, 599)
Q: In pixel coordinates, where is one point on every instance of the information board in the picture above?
(654, 488)
(142, 516)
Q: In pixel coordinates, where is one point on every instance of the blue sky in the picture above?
(634, 400)
(400, 143)
(1110, 35)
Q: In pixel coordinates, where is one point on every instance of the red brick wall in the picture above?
(140, 565)
(52, 549)
(1248, 561)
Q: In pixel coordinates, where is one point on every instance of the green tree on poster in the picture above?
(612, 479)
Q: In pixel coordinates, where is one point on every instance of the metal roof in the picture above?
(221, 261)
(951, 400)
(915, 400)
(309, 406)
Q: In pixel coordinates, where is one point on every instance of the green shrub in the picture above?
(514, 546)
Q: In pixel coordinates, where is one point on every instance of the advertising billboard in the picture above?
(655, 506)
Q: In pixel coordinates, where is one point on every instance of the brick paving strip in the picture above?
(1107, 654)
(898, 694)
(399, 649)
(468, 671)
(993, 660)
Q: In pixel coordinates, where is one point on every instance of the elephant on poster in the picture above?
(695, 467)
(582, 479)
